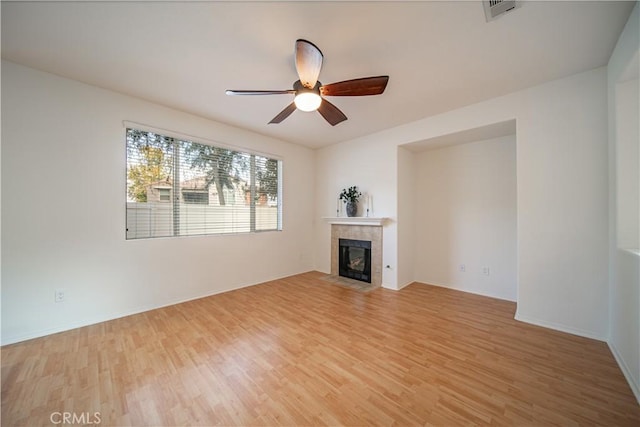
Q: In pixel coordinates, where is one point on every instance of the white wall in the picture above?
(466, 214)
(627, 111)
(409, 193)
(562, 199)
(561, 191)
(624, 272)
(63, 211)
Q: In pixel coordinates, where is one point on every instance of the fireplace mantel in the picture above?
(356, 220)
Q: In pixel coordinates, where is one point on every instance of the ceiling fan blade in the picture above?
(356, 87)
(259, 92)
(308, 62)
(331, 113)
(284, 113)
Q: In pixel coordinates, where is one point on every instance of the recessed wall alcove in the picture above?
(460, 214)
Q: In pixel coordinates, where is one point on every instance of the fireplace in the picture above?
(355, 259)
(368, 233)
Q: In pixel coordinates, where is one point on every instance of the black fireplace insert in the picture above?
(354, 259)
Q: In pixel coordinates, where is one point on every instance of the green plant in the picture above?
(350, 195)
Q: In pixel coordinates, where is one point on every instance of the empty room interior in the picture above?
(320, 213)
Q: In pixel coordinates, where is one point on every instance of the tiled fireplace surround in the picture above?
(359, 232)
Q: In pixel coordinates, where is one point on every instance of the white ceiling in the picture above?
(439, 55)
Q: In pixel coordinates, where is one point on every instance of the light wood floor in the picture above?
(301, 351)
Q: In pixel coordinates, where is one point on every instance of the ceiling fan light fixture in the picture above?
(307, 101)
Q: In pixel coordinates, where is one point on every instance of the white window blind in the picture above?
(180, 188)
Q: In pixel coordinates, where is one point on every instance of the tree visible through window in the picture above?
(177, 187)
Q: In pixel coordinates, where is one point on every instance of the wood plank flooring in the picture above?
(301, 351)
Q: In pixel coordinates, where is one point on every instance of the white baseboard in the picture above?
(633, 382)
(397, 287)
(405, 285)
(469, 291)
(12, 339)
(559, 327)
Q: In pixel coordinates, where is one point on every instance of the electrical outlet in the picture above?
(462, 268)
(485, 271)
(59, 295)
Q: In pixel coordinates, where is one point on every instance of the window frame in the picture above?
(164, 194)
(178, 136)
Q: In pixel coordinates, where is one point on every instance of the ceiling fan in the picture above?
(309, 92)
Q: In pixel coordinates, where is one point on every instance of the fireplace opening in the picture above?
(354, 259)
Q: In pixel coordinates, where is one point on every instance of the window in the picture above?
(177, 188)
(165, 194)
(195, 197)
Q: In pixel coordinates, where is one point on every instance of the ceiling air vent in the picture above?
(495, 8)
